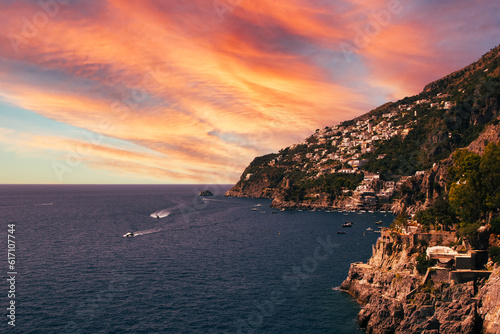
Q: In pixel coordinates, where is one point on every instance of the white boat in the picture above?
(128, 235)
(255, 209)
(369, 229)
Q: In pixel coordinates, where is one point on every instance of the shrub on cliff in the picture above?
(495, 225)
(423, 263)
(495, 254)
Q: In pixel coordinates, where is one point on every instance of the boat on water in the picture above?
(377, 231)
(383, 211)
(128, 235)
(258, 205)
(371, 211)
(341, 232)
(369, 229)
(347, 224)
(255, 209)
(363, 211)
(378, 223)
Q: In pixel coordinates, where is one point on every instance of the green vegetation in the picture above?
(495, 225)
(475, 184)
(439, 213)
(495, 254)
(423, 263)
(331, 184)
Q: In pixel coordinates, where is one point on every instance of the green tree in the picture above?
(489, 168)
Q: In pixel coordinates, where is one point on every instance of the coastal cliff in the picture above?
(399, 299)
(369, 162)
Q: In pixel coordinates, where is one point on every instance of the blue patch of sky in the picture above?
(19, 119)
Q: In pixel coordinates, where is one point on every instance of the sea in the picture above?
(193, 265)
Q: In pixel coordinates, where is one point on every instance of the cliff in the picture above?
(398, 299)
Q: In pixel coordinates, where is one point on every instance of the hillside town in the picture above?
(345, 148)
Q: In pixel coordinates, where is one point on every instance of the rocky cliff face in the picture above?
(397, 300)
(489, 303)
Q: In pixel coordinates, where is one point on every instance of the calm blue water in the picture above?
(211, 266)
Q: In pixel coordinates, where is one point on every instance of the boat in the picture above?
(371, 211)
(348, 224)
(369, 229)
(255, 209)
(128, 235)
(383, 211)
(378, 223)
(363, 211)
(378, 231)
(258, 205)
(340, 232)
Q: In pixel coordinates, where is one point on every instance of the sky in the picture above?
(190, 91)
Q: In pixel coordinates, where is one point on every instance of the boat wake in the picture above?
(161, 213)
(150, 231)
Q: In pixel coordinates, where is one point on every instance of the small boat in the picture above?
(340, 232)
(378, 223)
(382, 211)
(282, 209)
(348, 224)
(371, 211)
(255, 209)
(128, 235)
(369, 229)
(258, 205)
(377, 231)
(363, 211)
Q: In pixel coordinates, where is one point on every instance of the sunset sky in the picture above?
(190, 91)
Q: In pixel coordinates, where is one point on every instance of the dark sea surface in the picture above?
(211, 266)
